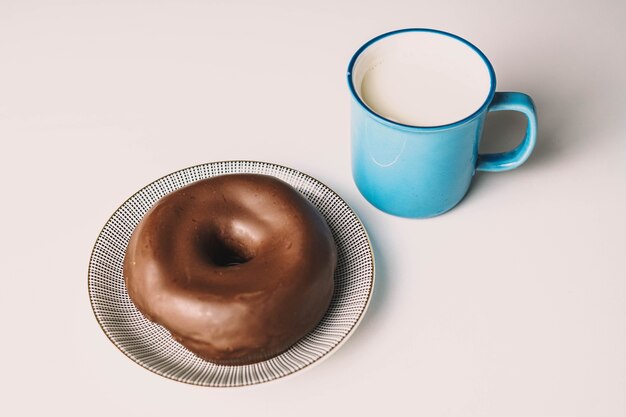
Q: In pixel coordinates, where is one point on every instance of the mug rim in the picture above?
(384, 120)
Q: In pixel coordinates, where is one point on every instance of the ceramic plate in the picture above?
(152, 347)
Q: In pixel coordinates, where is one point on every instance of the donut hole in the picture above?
(225, 255)
(226, 250)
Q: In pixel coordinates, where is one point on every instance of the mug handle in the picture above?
(505, 161)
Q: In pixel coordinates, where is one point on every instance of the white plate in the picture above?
(152, 347)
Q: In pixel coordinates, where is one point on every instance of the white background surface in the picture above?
(512, 304)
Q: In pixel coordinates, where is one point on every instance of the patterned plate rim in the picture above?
(308, 366)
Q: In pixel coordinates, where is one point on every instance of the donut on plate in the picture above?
(236, 267)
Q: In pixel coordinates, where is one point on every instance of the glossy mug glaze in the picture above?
(418, 160)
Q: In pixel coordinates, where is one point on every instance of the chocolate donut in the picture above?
(237, 267)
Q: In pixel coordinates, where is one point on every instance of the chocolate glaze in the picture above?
(237, 267)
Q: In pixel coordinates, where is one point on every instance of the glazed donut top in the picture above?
(237, 267)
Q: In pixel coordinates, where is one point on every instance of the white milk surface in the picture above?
(421, 79)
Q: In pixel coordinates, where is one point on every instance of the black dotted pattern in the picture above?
(151, 346)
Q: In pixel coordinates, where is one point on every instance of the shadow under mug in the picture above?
(419, 170)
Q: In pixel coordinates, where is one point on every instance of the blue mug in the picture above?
(419, 102)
